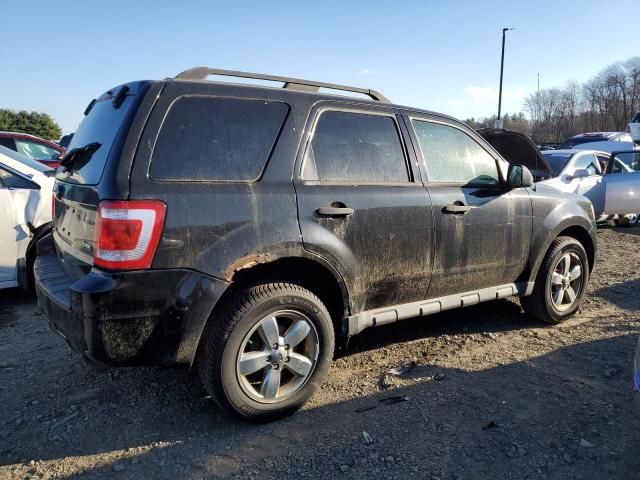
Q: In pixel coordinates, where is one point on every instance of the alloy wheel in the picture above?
(566, 281)
(277, 356)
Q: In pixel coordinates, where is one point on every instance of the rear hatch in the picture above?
(87, 173)
(517, 148)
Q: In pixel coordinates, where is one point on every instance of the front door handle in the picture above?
(331, 211)
(456, 208)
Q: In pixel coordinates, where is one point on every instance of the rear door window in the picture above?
(355, 147)
(216, 139)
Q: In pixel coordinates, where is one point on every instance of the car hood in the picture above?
(517, 148)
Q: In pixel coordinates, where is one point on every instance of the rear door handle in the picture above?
(456, 208)
(335, 211)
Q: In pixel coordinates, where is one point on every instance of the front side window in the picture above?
(216, 139)
(587, 162)
(355, 147)
(452, 156)
(36, 150)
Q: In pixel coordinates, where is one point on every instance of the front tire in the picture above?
(266, 354)
(560, 284)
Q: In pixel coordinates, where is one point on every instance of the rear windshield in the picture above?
(572, 142)
(99, 127)
(216, 139)
(557, 161)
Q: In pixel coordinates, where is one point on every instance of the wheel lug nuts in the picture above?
(276, 366)
(286, 347)
(275, 346)
(269, 359)
(286, 359)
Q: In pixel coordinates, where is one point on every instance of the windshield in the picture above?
(557, 161)
(18, 157)
(98, 131)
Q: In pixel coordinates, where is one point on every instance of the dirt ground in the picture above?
(492, 395)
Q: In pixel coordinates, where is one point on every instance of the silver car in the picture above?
(581, 171)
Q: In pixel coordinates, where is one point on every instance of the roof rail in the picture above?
(201, 73)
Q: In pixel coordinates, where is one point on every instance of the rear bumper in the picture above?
(146, 317)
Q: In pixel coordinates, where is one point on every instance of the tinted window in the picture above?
(11, 180)
(557, 161)
(36, 150)
(586, 162)
(100, 127)
(636, 119)
(452, 156)
(8, 142)
(216, 139)
(355, 147)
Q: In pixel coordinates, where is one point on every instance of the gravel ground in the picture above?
(491, 395)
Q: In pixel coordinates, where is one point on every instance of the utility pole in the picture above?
(504, 31)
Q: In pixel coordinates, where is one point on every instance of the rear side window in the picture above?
(355, 147)
(216, 139)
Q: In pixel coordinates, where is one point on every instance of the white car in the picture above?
(26, 189)
(613, 191)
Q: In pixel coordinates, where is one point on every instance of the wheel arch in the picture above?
(310, 273)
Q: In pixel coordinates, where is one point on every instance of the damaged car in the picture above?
(610, 180)
(25, 215)
(243, 230)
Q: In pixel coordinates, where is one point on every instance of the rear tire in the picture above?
(267, 352)
(560, 284)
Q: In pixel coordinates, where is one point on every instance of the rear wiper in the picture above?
(77, 157)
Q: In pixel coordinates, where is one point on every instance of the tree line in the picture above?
(606, 103)
(34, 123)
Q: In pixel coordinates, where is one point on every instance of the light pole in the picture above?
(504, 30)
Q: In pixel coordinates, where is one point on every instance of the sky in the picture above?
(437, 55)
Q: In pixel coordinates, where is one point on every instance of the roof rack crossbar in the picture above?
(201, 73)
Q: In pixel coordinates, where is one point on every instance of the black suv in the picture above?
(241, 229)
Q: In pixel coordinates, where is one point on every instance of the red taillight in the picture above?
(127, 233)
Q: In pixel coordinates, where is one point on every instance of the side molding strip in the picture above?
(382, 316)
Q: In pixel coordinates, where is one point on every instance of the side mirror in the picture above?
(519, 176)
(579, 173)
